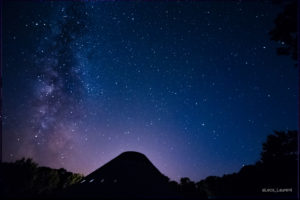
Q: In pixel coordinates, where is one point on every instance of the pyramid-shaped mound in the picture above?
(129, 175)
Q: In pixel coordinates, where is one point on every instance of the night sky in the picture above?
(195, 86)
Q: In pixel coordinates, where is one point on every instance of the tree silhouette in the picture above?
(188, 187)
(277, 168)
(280, 147)
(285, 31)
(24, 178)
(191, 190)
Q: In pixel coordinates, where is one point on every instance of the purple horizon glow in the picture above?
(195, 86)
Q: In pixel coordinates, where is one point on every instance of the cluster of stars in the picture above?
(178, 81)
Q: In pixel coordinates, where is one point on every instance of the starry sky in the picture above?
(194, 85)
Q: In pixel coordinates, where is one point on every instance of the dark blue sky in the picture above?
(195, 86)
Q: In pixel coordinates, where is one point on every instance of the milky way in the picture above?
(59, 85)
(195, 86)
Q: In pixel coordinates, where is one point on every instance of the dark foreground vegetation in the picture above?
(25, 179)
(274, 175)
(132, 175)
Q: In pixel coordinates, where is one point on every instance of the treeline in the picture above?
(25, 179)
(274, 175)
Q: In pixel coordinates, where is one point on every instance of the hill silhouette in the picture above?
(131, 174)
